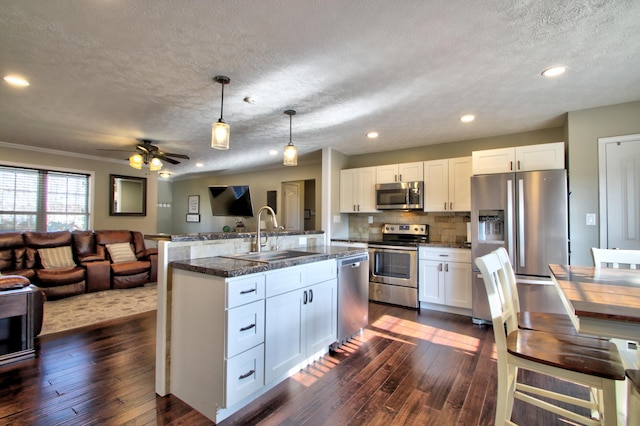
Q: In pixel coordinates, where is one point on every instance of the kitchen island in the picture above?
(237, 327)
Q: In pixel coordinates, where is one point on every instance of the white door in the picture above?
(620, 192)
(292, 205)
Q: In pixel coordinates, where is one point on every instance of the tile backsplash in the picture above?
(443, 227)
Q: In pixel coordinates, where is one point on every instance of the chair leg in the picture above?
(506, 391)
(608, 402)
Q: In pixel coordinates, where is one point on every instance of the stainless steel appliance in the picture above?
(400, 196)
(526, 213)
(353, 295)
(394, 264)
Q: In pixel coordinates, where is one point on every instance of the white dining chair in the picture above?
(593, 363)
(614, 258)
(533, 320)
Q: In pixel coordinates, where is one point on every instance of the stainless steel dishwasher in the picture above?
(353, 295)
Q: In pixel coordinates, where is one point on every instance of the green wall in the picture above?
(41, 158)
(259, 182)
(584, 128)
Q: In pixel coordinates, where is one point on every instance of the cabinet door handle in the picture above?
(400, 180)
(247, 374)
(304, 299)
(395, 178)
(518, 164)
(354, 208)
(446, 267)
(511, 165)
(249, 327)
(443, 255)
(445, 205)
(310, 296)
(451, 205)
(439, 267)
(248, 291)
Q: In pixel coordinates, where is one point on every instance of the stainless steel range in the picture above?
(393, 274)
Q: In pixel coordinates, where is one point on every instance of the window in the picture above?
(43, 200)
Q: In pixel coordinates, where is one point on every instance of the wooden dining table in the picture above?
(600, 301)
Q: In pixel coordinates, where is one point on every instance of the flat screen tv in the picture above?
(231, 200)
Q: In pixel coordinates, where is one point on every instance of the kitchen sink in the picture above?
(271, 256)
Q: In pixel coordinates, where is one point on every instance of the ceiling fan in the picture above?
(148, 151)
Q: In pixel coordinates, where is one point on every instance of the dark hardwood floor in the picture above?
(407, 367)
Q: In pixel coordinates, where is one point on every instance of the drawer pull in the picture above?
(249, 327)
(248, 291)
(247, 374)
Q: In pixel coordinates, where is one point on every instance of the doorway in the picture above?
(299, 205)
(619, 175)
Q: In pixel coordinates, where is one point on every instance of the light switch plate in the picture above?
(591, 219)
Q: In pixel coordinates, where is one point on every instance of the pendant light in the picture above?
(220, 129)
(290, 151)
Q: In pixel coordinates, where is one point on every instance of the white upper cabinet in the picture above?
(519, 159)
(358, 190)
(405, 172)
(447, 185)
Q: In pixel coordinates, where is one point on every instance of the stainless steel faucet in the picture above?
(259, 243)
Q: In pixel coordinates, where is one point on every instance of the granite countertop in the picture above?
(226, 267)
(207, 236)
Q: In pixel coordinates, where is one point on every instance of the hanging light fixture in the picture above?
(220, 129)
(290, 151)
(137, 160)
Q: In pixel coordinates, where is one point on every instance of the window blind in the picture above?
(43, 200)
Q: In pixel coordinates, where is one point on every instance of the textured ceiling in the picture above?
(105, 72)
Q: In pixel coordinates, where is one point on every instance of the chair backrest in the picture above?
(511, 287)
(503, 313)
(613, 258)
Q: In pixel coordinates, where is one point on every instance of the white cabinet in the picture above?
(217, 339)
(444, 276)
(546, 156)
(358, 190)
(301, 320)
(405, 172)
(447, 185)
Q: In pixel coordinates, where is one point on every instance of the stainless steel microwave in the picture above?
(400, 196)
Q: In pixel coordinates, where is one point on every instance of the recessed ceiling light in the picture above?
(250, 100)
(467, 118)
(15, 80)
(372, 135)
(199, 165)
(554, 71)
(273, 152)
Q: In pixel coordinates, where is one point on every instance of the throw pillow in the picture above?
(57, 257)
(121, 252)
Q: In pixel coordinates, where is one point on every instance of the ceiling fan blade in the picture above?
(169, 154)
(144, 148)
(114, 150)
(167, 159)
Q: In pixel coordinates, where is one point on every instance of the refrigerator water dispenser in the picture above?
(491, 225)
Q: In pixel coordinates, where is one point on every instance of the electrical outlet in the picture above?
(591, 219)
(302, 241)
(370, 220)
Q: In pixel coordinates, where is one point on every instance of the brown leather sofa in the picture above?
(133, 273)
(92, 269)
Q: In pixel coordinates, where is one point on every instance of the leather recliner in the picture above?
(86, 254)
(131, 273)
(55, 282)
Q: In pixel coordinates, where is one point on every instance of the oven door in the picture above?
(394, 265)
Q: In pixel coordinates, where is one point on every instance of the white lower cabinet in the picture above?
(444, 276)
(301, 322)
(233, 339)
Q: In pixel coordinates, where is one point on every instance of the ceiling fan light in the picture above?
(290, 155)
(220, 135)
(135, 161)
(155, 164)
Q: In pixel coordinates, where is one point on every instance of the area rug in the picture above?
(93, 308)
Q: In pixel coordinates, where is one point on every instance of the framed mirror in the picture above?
(128, 196)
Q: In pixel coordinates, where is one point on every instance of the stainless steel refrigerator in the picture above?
(526, 213)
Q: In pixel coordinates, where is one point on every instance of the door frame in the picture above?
(602, 182)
